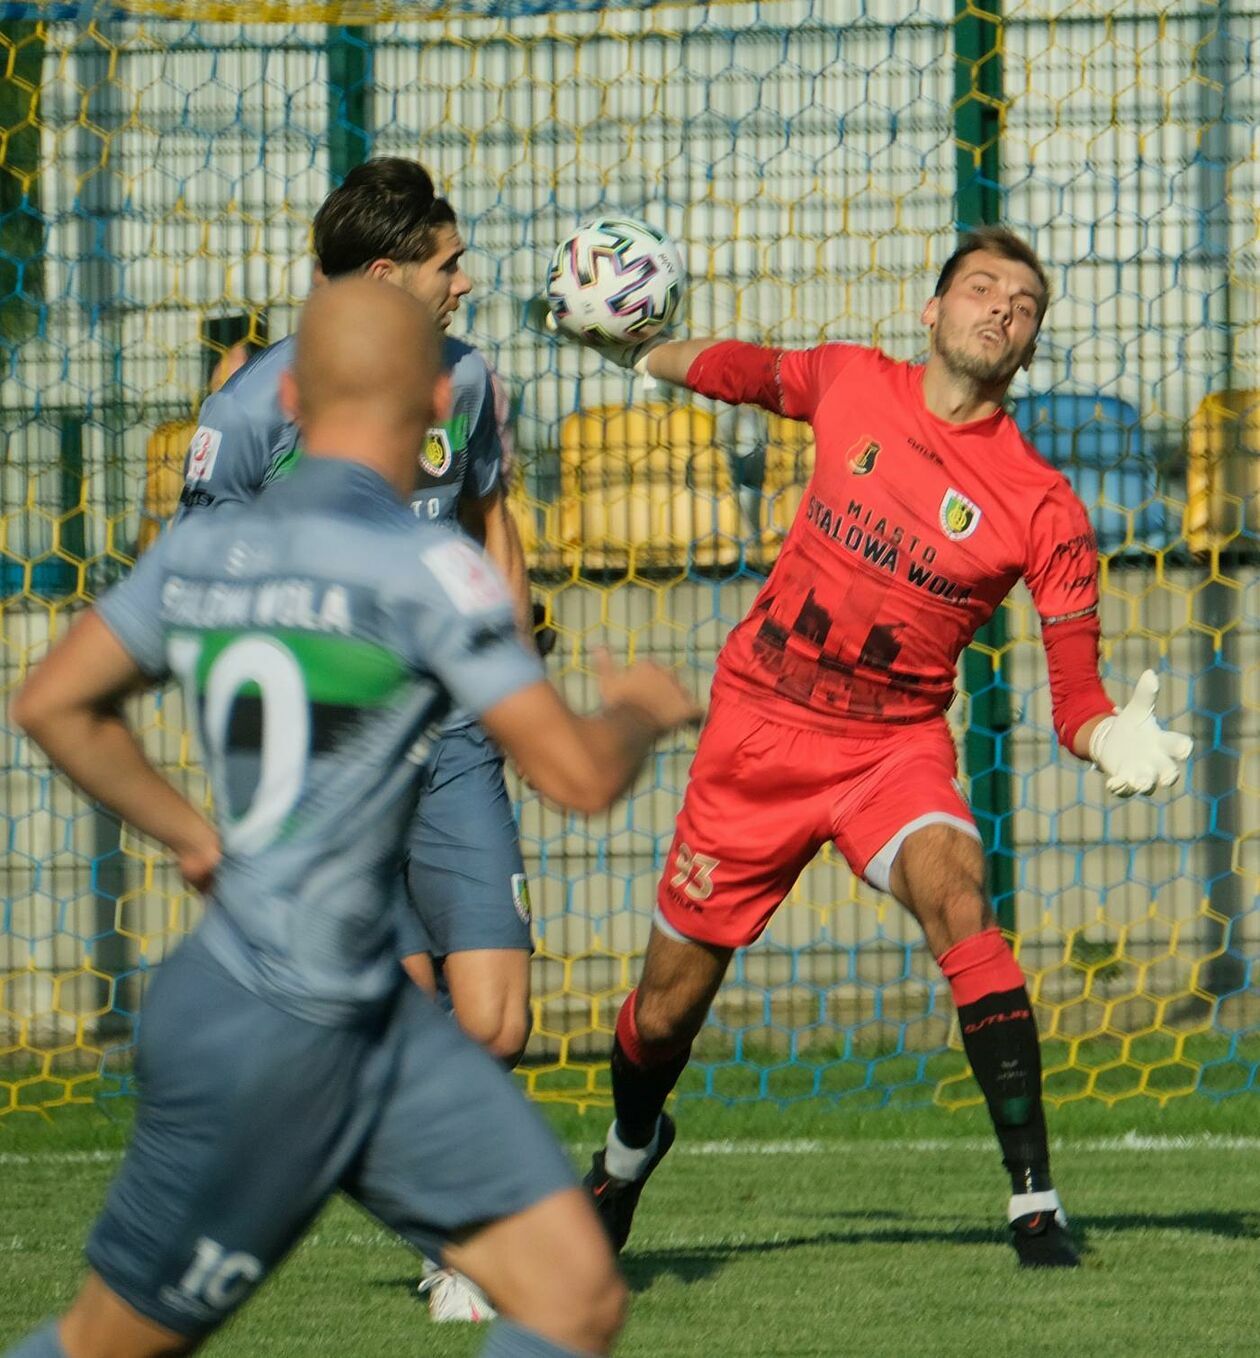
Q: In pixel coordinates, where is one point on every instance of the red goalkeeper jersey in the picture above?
(911, 532)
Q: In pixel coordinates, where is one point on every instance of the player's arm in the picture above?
(483, 507)
(787, 382)
(228, 457)
(490, 521)
(585, 763)
(1130, 747)
(672, 361)
(70, 706)
(464, 633)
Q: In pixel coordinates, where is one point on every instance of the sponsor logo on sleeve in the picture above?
(466, 577)
(960, 517)
(203, 453)
(195, 499)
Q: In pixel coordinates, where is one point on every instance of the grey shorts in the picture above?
(465, 876)
(250, 1118)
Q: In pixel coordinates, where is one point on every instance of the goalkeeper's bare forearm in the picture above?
(1080, 742)
(671, 361)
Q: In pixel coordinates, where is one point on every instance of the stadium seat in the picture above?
(1223, 471)
(645, 487)
(163, 477)
(789, 453)
(789, 465)
(1098, 443)
(537, 524)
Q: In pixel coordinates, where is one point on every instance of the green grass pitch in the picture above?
(788, 1234)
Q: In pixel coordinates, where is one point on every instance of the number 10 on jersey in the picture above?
(251, 664)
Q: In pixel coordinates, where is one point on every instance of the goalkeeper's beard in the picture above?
(983, 373)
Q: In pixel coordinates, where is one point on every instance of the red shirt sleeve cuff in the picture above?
(1076, 691)
(738, 373)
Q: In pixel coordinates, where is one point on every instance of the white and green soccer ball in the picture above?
(615, 280)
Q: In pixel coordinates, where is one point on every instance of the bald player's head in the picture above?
(367, 379)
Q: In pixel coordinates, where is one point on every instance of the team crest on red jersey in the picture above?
(960, 517)
(862, 457)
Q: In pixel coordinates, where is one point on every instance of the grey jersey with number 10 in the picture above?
(244, 442)
(320, 632)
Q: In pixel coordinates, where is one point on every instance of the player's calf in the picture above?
(939, 875)
(43, 1343)
(514, 1341)
(999, 1033)
(550, 1273)
(99, 1324)
(651, 1048)
(642, 1133)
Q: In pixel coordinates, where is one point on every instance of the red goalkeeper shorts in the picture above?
(764, 797)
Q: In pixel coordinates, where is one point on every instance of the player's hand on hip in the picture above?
(650, 690)
(545, 636)
(623, 355)
(199, 861)
(1134, 750)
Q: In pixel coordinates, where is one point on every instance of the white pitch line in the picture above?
(1126, 1142)
(60, 1157)
(800, 1147)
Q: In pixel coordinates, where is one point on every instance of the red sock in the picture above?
(628, 1030)
(641, 1080)
(980, 965)
(999, 1034)
(632, 1045)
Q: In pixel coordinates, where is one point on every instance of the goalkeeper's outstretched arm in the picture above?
(787, 382)
(671, 362)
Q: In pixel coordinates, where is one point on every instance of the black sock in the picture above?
(1000, 1037)
(639, 1092)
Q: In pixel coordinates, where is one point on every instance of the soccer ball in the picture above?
(615, 280)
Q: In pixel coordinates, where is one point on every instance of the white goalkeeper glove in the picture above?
(1134, 750)
(623, 355)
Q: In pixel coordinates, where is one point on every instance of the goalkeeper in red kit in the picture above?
(827, 717)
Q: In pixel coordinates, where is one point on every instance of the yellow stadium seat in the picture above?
(536, 524)
(163, 477)
(165, 453)
(645, 487)
(1223, 470)
(780, 509)
(789, 453)
(524, 514)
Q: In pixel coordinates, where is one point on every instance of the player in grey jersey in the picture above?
(465, 877)
(320, 633)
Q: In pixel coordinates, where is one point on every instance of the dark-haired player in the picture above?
(470, 920)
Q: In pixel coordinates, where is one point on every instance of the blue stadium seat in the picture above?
(1100, 446)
